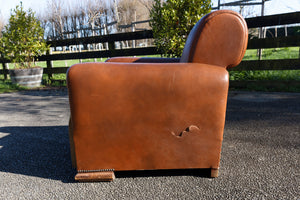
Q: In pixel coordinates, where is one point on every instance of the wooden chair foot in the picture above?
(214, 173)
(95, 176)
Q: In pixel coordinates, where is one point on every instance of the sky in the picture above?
(40, 6)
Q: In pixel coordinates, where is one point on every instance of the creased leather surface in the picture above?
(127, 116)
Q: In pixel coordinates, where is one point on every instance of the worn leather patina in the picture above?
(156, 113)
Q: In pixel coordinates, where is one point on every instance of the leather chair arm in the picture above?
(129, 116)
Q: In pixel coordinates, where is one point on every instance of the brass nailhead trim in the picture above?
(97, 170)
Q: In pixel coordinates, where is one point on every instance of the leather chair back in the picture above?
(219, 38)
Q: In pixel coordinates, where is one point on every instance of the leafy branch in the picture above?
(173, 20)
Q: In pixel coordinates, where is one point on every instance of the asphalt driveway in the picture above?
(260, 154)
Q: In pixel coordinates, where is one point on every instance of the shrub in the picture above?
(22, 38)
(172, 21)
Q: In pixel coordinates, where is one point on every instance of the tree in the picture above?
(147, 4)
(172, 20)
(22, 38)
(132, 11)
(56, 18)
(79, 19)
(1, 24)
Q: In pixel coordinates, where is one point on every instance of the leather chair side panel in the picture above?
(147, 116)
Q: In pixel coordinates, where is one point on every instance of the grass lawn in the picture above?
(273, 53)
(7, 86)
(269, 54)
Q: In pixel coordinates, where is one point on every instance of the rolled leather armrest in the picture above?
(143, 60)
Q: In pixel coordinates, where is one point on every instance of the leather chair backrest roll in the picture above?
(220, 38)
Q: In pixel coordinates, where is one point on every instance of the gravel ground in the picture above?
(260, 155)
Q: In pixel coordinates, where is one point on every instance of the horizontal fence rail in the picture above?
(112, 51)
(103, 38)
(280, 64)
(273, 20)
(101, 54)
(289, 41)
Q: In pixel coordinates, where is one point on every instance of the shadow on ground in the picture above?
(44, 152)
(36, 151)
(161, 173)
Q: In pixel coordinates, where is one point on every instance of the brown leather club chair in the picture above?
(156, 113)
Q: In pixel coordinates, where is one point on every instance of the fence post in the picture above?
(79, 47)
(49, 64)
(133, 30)
(111, 48)
(4, 70)
(261, 28)
(105, 33)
